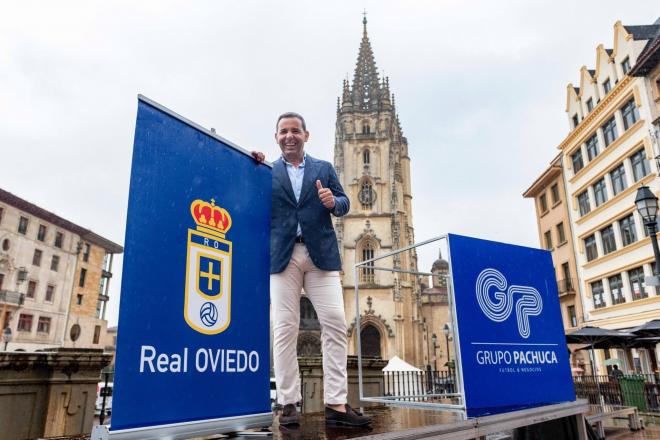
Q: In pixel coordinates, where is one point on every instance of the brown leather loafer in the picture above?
(289, 415)
(350, 418)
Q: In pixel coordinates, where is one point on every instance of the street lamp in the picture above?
(434, 338)
(647, 205)
(6, 336)
(447, 331)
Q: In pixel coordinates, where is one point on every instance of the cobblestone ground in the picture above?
(625, 434)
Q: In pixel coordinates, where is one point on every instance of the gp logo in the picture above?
(496, 300)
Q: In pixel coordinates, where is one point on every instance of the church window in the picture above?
(367, 195)
(366, 157)
(308, 318)
(366, 129)
(367, 272)
(370, 341)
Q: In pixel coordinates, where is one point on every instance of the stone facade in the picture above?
(51, 393)
(41, 259)
(89, 297)
(372, 162)
(554, 230)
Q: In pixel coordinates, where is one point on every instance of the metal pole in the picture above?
(448, 358)
(656, 250)
(104, 391)
(593, 374)
(357, 330)
(428, 345)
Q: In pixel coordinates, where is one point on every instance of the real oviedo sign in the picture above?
(193, 336)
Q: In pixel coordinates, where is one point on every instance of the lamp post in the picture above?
(447, 331)
(6, 336)
(428, 349)
(647, 205)
(434, 338)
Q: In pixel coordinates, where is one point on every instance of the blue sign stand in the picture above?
(512, 350)
(193, 341)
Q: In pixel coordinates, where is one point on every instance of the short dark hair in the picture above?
(291, 115)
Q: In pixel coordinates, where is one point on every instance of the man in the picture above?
(304, 254)
(616, 373)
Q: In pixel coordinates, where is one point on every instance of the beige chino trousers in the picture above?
(324, 291)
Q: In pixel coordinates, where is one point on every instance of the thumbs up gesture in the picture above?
(325, 195)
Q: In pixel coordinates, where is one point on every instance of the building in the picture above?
(86, 322)
(373, 164)
(41, 258)
(606, 156)
(435, 316)
(554, 228)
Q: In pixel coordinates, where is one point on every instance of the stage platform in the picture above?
(393, 423)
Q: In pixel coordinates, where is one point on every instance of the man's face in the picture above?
(291, 138)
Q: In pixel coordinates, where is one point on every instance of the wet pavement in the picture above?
(385, 419)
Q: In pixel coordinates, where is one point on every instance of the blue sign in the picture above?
(193, 342)
(513, 350)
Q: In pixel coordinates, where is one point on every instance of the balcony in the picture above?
(365, 136)
(566, 286)
(11, 298)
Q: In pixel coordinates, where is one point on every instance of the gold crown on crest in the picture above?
(210, 217)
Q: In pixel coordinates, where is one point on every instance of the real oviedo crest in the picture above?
(207, 306)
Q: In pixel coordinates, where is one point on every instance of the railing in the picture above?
(9, 297)
(418, 383)
(645, 394)
(566, 285)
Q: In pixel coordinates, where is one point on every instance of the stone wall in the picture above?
(311, 369)
(46, 394)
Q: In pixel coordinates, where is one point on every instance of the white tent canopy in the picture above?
(398, 364)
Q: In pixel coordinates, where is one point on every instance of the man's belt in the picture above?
(300, 239)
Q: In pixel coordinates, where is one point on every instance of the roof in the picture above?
(648, 58)
(398, 364)
(103, 242)
(544, 179)
(31, 208)
(644, 32)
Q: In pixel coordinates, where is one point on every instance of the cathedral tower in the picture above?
(371, 159)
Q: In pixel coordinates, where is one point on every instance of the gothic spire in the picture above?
(365, 82)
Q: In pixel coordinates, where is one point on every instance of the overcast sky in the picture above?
(480, 89)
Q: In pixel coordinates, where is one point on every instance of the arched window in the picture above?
(367, 195)
(366, 129)
(365, 156)
(370, 341)
(367, 272)
(308, 318)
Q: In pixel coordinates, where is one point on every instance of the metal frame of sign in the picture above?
(194, 428)
(406, 400)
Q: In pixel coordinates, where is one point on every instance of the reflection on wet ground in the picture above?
(385, 419)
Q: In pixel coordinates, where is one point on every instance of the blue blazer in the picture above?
(314, 218)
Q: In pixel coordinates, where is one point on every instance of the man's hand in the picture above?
(258, 156)
(325, 195)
